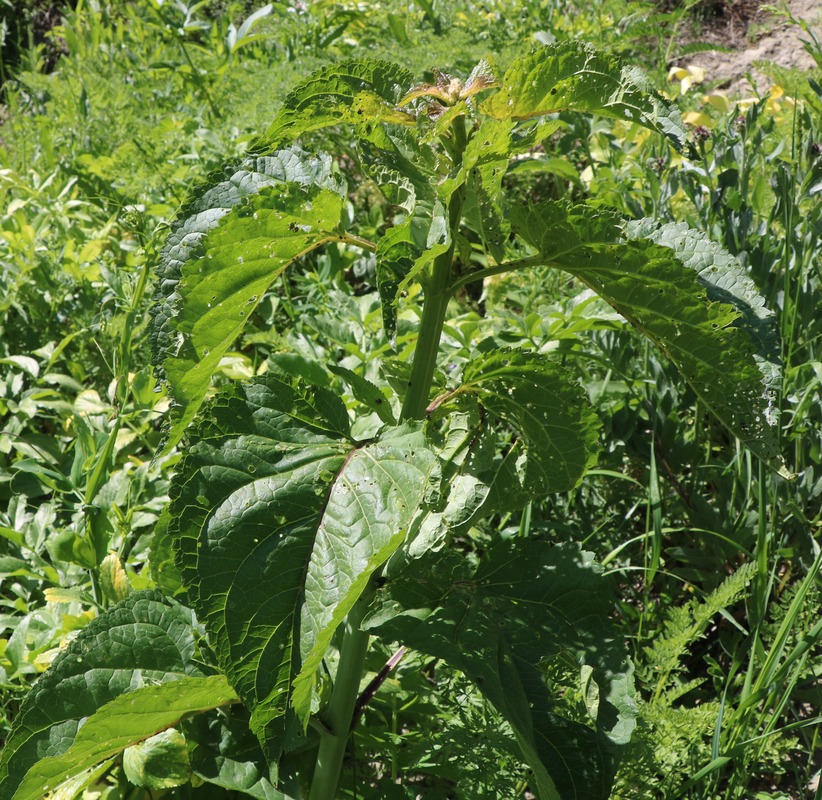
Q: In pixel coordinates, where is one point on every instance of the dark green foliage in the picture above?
(481, 203)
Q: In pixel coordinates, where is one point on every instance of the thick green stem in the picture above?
(340, 709)
(339, 714)
(437, 293)
(428, 341)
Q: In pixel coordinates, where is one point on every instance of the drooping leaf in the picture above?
(725, 281)
(467, 455)
(572, 75)
(483, 167)
(525, 605)
(126, 721)
(359, 91)
(280, 519)
(146, 639)
(164, 571)
(113, 578)
(404, 168)
(483, 210)
(711, 324)
(406, 172)
(551, 415)
(366, 392)
(228, 249)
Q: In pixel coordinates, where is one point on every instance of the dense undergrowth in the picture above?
(715, 557)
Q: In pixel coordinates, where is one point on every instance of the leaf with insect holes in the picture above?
(361, 92)
(573, 76)
(685, 294)
(280, 519)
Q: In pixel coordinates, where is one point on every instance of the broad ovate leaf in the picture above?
(501, 621)
(220, 259)
(556, 427)
(370, 511)
(686, 294)
(573, 76)
(280, 519)
(362, 91)
(145, 640)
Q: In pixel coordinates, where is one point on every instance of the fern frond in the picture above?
(684, 626)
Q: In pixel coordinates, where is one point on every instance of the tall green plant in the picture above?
(297, 535)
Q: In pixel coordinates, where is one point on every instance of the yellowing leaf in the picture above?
(698, 118)
(92, 250)
(718, 101)
(687, 76)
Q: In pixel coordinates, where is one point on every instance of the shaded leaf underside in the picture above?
(526, 604)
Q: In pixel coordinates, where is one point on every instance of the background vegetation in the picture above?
(112, 111)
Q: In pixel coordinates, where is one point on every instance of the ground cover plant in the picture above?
(483, 538)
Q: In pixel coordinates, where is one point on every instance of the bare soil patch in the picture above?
(775, 39)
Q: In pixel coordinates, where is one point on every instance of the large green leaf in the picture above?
(220, 259)
(369, 513)
(686, 294)
(555, 423)
(147, 639)
(526, 604)
(725, 281)
(574, 76)
(125, 721)
(280, 520)
(360, 91)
